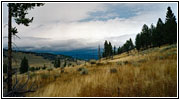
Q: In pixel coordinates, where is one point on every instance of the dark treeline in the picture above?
(156, 36)
(153, 36)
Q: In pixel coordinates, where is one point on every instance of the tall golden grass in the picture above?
(152, 74)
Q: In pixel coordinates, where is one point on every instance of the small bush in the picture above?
(80, 69)
(32, 75)
(126, 62)
(135, 63)
(99, 64)
(84, 71)
(113, 70)
(92, 61)
(56, 76)
(49, 68)
(44, 76)
(141, 60)
(37, 68)
(44, 67)
(32, 69)
(120, 63)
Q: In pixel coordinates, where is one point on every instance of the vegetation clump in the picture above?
(84, 71)
(24, 65)
(113, 70)
(92, 61)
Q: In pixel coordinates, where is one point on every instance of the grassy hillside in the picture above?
(149, 73)
(36, 59)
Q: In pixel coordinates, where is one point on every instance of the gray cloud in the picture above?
(58, 27)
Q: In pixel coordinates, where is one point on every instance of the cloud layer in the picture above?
(68, 26)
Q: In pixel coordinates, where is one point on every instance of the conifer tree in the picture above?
(18, 12)
(170, 27)
(24, 66)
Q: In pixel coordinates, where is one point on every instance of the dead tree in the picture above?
(18, 90)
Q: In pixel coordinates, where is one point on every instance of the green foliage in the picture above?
(126, 47)
(159, 35)
(138, 41)
(107, 49)
(19, 12)
(24, 65)
(170, 27)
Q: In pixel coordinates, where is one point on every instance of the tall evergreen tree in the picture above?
(138, 41)
(105, 53)
(131, 44)
(153, 35)
(114, 51)
(159, 37)
(18, 12)
(24, 65)
(146, 36)
(110, 50)
(170, 27)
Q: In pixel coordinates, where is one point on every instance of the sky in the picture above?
(72, 26)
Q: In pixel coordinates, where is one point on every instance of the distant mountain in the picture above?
(37, 59)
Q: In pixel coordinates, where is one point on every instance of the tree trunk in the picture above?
(9, 51)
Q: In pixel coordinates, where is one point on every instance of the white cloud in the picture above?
(57, 26)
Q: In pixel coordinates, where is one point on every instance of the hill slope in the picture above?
(149, 73)
(36, 59)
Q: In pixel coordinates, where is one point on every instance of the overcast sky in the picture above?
(69, 26)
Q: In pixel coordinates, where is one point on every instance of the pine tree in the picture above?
(131, 44)
(170, 27)
(153, 35)
(159, 37)
(105, 53)
(138, 41)
(114, 51)
(24, 65)
(18, 12)
(110, 51)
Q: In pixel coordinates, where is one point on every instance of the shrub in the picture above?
(135, 63)
(80, 69)
(44, 76)
(141, 60)
(99, 64)
(37, 68)
(32, 75)
(92, 61)
(113, 70)
(120, 63)
(44, 67)
(49, 68)
(84, 71)
(32, 69)
(56, 76)
(126, 62)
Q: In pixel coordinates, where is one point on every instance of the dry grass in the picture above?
(154, 77)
